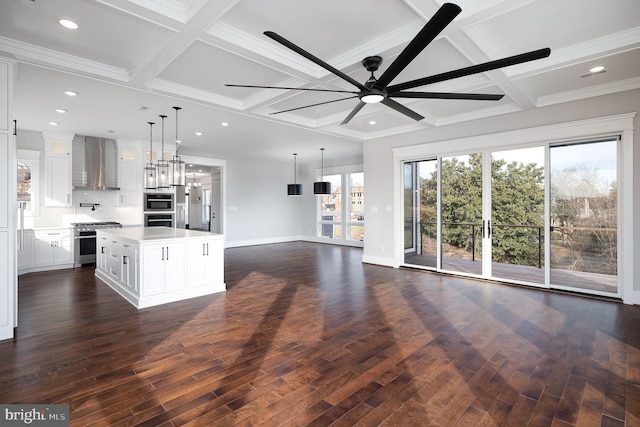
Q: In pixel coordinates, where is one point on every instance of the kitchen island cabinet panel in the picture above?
(152, 266)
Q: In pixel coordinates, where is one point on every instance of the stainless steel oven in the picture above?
(158, 219)
(84, 237)
(158, 202)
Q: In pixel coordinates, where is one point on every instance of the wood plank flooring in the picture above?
(308, 335)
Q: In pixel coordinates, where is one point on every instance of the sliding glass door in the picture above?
(484, 214)
(461, 214)
(584, 216)
(517, 215)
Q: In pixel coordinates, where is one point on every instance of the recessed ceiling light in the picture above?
(597, 69)
(224, 124)
(54, 123)
(60, 110)
(68, 23)
(70, 93)
(198, 133)
(372, 122)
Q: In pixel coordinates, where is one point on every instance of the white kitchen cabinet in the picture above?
(52, 248)
(102, 250)
(163, 268)
(57, 173)
(155, 263)
(129, 174)
(202, 266)
(25, 250)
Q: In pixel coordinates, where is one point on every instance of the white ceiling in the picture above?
(131, 60)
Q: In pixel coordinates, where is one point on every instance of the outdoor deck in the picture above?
(580, 281)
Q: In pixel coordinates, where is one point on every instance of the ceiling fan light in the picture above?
(372, 98)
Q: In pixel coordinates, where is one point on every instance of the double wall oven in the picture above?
(84, 238)
(159, 210)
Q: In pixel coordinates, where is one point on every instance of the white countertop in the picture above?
(149, 234)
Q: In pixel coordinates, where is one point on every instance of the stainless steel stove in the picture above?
(84, 235)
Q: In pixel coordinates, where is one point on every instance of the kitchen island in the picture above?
(155, 265)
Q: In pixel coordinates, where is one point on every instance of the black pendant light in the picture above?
(150, 171)
(322, 187)
(163, 165)
(176, 165)
(294, 189)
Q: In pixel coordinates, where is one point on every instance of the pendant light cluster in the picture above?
(319, 187)
(163, 174)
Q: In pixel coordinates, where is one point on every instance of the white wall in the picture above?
(258, 209)
(379, 166)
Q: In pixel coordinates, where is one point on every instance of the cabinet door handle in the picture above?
(207, 249)
(167, 253)
(68, 197)
(124, 259)
(163, 253)
(102, 249)
(203, 249)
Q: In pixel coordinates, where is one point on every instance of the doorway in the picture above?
(201, 207)
(542, 216)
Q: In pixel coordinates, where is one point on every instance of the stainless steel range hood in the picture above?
(94, 163)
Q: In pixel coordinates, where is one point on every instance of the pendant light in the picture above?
(322, 187)
(163, 165)
(294, 189)
(178, 170)
(150, 172)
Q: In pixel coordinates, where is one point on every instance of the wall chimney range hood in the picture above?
(94, 163)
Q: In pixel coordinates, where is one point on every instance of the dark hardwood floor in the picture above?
(308, 335)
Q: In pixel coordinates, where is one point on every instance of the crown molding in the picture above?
(32, 54)
(590, 92)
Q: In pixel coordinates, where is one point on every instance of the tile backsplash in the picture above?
(105, 210)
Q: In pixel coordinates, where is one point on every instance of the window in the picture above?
(341, 214)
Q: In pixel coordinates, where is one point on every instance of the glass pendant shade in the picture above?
(163, 166)
(294, 189)
(178, 168)
(322, 187)
(150, 172)
(177, 165)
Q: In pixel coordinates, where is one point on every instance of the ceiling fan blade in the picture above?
(313, 105)
(293, 88)
(474, 69)
(430, 31)
(353, 113)
(402, 109)
(447, 95)
(312, 58)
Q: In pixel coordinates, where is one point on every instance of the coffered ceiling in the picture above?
(131, 60)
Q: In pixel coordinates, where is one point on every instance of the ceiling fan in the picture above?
(381, 90)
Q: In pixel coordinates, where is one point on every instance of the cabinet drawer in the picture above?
(114, 266)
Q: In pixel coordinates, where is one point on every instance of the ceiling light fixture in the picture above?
(54, 123)
(163, 165)
(294, 189)
(60, 110)
(322, 187)
(70, 93)
(198, 133)
(597, 69)
(373, 97)
(372, 122)
(178, 177)
(150, 172)
(224, 124)
(68, 23)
